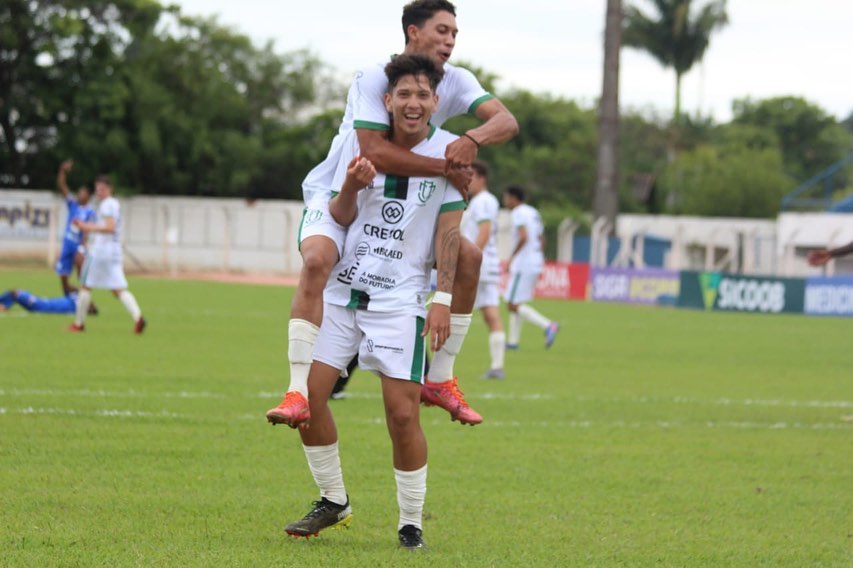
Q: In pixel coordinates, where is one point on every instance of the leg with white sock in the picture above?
(301, 337)
(128, 300)
(514, 336)
(529, 314)
(441, 368)
(84, 299)
(409, 447)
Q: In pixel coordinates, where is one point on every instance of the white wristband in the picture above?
(442, 298)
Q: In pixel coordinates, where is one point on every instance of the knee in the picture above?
(317, 263)
(401, 420)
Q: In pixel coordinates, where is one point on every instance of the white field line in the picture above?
(100, 393)
(105, 413)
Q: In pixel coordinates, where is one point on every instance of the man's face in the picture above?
(509, 201)
(436, 39)
(411, 103)
(102, 190)
(478, 184)
(83, 196)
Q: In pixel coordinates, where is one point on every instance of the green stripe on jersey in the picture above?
(473, 108)
(452, 206)
(367, 125)
(418, 352)
(396, 187)
(358, 300)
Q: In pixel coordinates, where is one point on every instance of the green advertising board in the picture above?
(731, 293)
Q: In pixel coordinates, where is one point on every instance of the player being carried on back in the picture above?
(430, 30)
(374, 302)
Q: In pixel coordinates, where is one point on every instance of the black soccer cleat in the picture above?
(411, 537)
(324, 515)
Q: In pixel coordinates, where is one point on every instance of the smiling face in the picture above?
(411, 103)
(435, 39)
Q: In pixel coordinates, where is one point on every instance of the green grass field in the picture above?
(644, 437)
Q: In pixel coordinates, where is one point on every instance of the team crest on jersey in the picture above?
(425, 190)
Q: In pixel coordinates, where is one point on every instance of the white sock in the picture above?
(441, 368)
(84, 299)
(127, 298)
(527, 313)
(325, 465)
(411, 491)
(514, 328)
(301, 337)
(497, 346)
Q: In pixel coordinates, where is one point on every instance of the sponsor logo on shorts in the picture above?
(392, 212)
(371, 346)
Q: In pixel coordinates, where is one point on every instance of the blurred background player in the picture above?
(62, 305)
(822, 256)
(73, 240)
(525, 265)
(430, 29)
(374, 305)
(480, 226)
(103, 266)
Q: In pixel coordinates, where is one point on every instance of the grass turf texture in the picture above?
(643, 437)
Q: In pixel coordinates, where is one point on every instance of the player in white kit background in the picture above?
(525, 265)
(480, 226)
(103, 268)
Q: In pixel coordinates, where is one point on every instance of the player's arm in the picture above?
(108, 226)
(484, 229)
(522, 240)
(344, 206)
(822, 256)
(61, 178)
(447, 241)
(499, 125)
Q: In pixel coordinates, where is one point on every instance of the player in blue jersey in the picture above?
(73, 239)
(62, 305)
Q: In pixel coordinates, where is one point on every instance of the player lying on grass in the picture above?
(62, 305)
(374, 302)
(430, 30)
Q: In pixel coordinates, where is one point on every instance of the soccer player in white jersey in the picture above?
(103, 265)
(374, 301)
(525, 265)
(430, 29)
(480, 226)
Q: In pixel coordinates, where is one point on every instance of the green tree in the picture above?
(676, 35)
(808, 137)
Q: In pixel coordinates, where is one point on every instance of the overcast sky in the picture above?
(770, 47)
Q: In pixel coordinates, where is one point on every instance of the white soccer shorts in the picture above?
(488, 295)
(316, 220)
(386, 342)
(103, 274)
(520, 287)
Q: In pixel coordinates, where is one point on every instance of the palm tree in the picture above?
(676, 36)
(606, 199)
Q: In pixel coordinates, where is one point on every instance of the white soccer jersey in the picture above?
(389, 249)
(107, 245)
(530, 257)
(459, 92)
(483, 208)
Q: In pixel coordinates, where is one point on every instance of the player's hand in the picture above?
(66, 166)
(77, 223)
(819, 257)
(460, 178)
(360, 172)
(460, 152)
(437, 326)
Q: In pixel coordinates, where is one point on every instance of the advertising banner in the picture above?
(732, 293)
(829, 296)
(635, 286)
(25, 215)
(558, 280)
